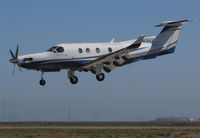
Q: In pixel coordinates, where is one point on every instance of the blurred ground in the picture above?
(99, 129)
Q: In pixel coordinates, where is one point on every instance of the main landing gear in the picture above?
(98, 71)
(42, 81)
(73, 79)
(100, 77)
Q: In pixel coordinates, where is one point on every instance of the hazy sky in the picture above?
(166, 86)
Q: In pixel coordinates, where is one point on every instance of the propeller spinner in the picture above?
(15, 59)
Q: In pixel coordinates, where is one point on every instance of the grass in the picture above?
(91, 133)
(61, 133)
(99, 124)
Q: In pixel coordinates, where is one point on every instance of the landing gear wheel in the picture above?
(100, 77)
(42, 82)
(73, 80)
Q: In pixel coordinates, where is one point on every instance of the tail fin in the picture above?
(169, 34)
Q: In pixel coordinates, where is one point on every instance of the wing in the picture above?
(110, 57)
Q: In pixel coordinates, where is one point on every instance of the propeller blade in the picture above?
(16, 54)
(13, 72)
(12, 54)
(19, 68)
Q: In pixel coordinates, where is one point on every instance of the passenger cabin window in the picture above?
(80, 50)
(97, 50)
(87, 50)
(109, 49)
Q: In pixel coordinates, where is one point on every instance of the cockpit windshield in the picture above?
(51, 49)
(56, 49)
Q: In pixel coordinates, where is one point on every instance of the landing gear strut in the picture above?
(100, 77)
(42, 81)
(73, 79)
(98, 71)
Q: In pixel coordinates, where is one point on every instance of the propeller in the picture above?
(15, 59)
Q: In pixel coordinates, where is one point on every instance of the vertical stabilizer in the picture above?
(169, 34)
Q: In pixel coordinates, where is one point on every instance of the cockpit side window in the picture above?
(60, 49)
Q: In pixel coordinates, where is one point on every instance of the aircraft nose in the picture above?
(13, 60)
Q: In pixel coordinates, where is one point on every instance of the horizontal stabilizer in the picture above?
(173, 23)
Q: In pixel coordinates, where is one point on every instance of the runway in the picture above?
(103, 127)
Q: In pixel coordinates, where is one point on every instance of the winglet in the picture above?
(139, 40)
(173, 23)
(137, 43)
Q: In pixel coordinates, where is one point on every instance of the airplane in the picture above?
(99, 57)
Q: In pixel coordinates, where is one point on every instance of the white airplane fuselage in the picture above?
(72, 58)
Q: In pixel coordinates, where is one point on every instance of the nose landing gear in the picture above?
(42, 81)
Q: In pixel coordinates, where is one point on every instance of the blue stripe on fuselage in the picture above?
(141, 48)
(83, 61)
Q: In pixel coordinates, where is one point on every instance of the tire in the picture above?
(73, 80)
(42, 82)
(100, 77)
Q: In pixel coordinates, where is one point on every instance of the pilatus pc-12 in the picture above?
(99, 57)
